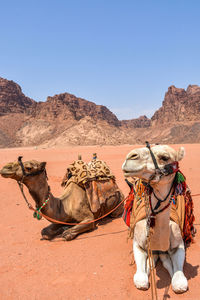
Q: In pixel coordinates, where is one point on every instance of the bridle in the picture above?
(21, 186)
(28, 174)
(168, 169)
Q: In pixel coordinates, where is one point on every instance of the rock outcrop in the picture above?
(179, 106)
(12, 100)
(141, 122)
(68, 107)
(65, 119)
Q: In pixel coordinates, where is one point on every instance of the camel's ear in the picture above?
(180, 153)
(43, 165)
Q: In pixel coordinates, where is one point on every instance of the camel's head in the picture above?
(14, 169)
(139, 162)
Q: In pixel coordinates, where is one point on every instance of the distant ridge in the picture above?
(65, 120)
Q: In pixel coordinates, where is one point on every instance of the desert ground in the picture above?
(96, 265)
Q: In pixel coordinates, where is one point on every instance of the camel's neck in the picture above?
(161, 231)
(39, 190)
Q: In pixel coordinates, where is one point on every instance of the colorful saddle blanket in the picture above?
(181, 209)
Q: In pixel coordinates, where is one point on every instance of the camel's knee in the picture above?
(51, 231)
(71, 233)
(45, 234)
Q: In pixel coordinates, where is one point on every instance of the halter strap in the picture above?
(153, 157)
(22, 166)
(30, 174)
(20, 183)
(166, 170)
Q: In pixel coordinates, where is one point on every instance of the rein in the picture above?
(73, 224)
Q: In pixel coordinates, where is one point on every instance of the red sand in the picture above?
(96, 265)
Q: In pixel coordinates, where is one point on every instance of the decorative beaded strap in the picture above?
(36, 214)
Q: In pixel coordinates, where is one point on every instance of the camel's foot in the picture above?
(68, 236)
(141, 281)
(46, 237)
(52, 231)
(179, 282)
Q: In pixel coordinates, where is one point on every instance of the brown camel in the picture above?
(73, 206)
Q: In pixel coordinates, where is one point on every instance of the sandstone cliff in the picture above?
(141, 122)
(68, 107)
(65, 119)
(179, 106)
(12, 100)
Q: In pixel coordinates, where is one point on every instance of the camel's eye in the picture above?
(28, 168)
(164, 158)
(133, 156)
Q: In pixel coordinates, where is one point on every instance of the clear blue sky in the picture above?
(120, 53)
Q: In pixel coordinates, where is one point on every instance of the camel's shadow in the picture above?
(84, 235)
(101, 222)
(164, 280)
(164, 277)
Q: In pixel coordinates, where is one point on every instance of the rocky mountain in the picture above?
(65, 119)
(179, 106)
(68, 107)
(12, 100)
(141, 122)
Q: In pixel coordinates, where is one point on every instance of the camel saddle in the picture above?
(97, 180)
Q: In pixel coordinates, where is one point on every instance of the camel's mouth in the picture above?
(130, 173)
(6, 173)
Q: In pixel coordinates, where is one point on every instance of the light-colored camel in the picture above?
(166, 238)
(71, 207)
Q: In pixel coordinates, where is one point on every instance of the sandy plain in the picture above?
(96, 265)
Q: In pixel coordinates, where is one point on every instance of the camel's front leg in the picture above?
(140, 278)
(72, 232)
(179, 281)
(52, 231)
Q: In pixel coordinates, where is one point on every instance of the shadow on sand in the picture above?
(83, 236)
(164, 280)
